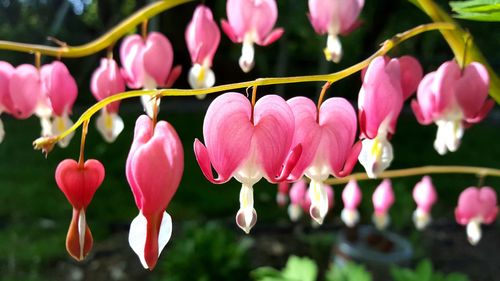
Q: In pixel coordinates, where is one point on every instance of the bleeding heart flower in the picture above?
(6, 104)
(327, 141)
(106, 81)
(476, 206)
(425, 196)
(148, 64)
(249, 22)
(453, 99)
(386, 84)
(382, 199)
(26, 91)
(247, 143)
(334, 17)
(351, 196)
(154, 169)
(79, 183)
(202, 39)
(60, 87)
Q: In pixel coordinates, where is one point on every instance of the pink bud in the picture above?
(424, 194)
(106, 81)
(351, 196)
(60, 87)
(383, 197)
(202, 36)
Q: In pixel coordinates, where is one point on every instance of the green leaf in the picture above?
(424, 270)
(300, 269)
(261, 273)
(349, 272)
(480, 10)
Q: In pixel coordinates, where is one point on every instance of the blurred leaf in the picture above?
(481, 10)
(349, 272)
(300, 269)
(424, 272)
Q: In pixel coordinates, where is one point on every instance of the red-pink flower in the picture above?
(351, 196)
(60, 87)
(202, 39)
(476, 206)
(6, 104)
(300, 199)
(425, 196)
(106, 81)
(328, 147)
(334, 17)
(148, 64)
(382, 199)
(453, 99)
(386, 84)
(154, 169)
(249, 22)
(247, 143)
(79, 183)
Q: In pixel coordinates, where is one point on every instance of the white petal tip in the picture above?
(350, 217)
(109, 125)
(246, 219)
(473, 230)
(421, 219)
(294, 212)
(201, 77)
(59, 125)
(381, 221)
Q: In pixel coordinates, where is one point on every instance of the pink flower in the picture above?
(202, 39)
(247, 143)
(334, 17)
(476, 206)
(249, 22)
(107, 81)
(148, 64)
(300, 199)
(382, 199)
(6, 104)
(425, 196)
(351, 196)
(25, 82)
(60, 87)
(154, 170)
(453, 99)
(79, 183)
(386, 84)
(327, 141)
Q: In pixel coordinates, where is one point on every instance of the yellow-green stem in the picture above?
(481, 172)
(100, 43)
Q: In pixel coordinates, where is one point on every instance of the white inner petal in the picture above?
(247, 55)
(148, 102)
(319, 201)
(376, 155)
(473, 230)
(350, 217)
(110, 125)
(2, 131)
(294, 212)
(421, 219)
(201, 76)
(449, 135)
(46, 125)
(82, 226)
(381, 221)
(59, 125)
(333, 50)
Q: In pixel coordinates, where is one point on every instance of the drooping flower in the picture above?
(79, 183)
(154, 169)
(147, 63)
(328, 147)
(334, 17)
(300, 199)
(282, 194)
(476, 206)
(249, 22)
(247, 143)
(60, 87)
(453, 99)
(351, 196)
(382, 199)
(106, 81)
(386, 84)
(425, 196)
(202, 39)
(6, 104)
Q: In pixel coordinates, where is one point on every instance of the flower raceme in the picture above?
(79, 182)
(154, 169)
(247, 143)
(300, 199)
(106, 81)
(453, 99)
(202, 39)
(476, 206)
(351, 196)
(249, 22)
(327, 138)
(425, 196)
(386, 84)
(382, 199)
(147, 63)
(334, 17)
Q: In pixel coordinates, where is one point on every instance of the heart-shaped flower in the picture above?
(351, 196)
(425, 196)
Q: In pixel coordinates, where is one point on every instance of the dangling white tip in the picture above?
(201, 77)
(350, 217)
(319, 201)
(59, 125)
(247, 56)
(376, 155)
(138, 232)
(473, 230)
(281, 199)
(82, 227)
(246, 217)
(294, 212)
(333, 50)
(148, 102)
(110, 125)
(449, 135)
(2, 131)
(381, 221)
(421, 219)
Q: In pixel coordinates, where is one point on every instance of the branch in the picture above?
(106, 40)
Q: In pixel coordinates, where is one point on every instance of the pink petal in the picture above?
(443, 86)
(349, 12)
(487, 107)
(298, 192)
(227, 132)
(424, 194)
(247, 15)
(471, 89)
(411, 74)
(6, 103)
(228, 29)
(321, 14)
(158, 57)
(272, 37)
(477, 203)
(351, 195)
(26, 90)
(60, 86)
(274, 128)
(383, 197)
(174, 75)
(131, 58)
(202, 36)
(107, 81)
